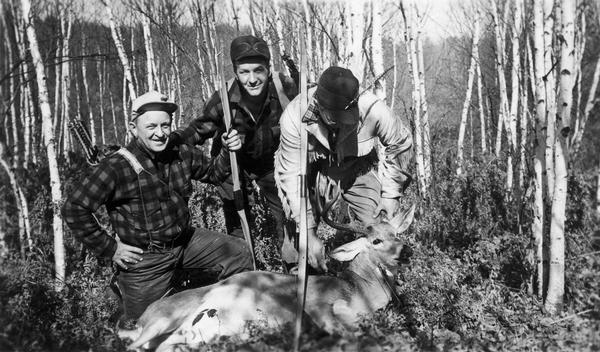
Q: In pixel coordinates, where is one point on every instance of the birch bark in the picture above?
(539, 142)
(59, 249)
(467, 102)
(556, 277)
(116, 35)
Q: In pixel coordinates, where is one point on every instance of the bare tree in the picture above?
(556, 275)
(116, 35)
(467, 102)
(59, 249)
(539, 142)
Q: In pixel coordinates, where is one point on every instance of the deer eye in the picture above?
(377, 241)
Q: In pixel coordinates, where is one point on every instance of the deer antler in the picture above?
(332, 194)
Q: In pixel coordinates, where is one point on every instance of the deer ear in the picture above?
(348, 251)
(403, 219)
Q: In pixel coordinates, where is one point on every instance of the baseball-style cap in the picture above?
(337, 91)
(151, 101)
(249, 48)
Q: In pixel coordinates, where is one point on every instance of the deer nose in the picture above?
(405, 254)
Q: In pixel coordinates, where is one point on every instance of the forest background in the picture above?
(503, 109)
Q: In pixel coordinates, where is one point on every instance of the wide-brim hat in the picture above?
(151, 101)
(337, 91)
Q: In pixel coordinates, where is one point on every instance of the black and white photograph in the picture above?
(309, 175)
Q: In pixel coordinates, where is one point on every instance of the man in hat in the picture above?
(145, 187)
(257, 98)
(343, 131)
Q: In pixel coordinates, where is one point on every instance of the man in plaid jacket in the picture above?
(145, 188)
(257, 99)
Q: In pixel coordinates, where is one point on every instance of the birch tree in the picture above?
(503, 114)
(409, 16)
(66, 25)
(591, 101)
(467, 102)
(550, 81)
(357, 33)
(59, 249)
(377, 49)
(423, 97)
(556, 275)
(116, 35)
(539, 142)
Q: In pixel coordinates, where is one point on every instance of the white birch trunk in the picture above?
(86, 90)
(25, 92)
(15, 189)
(395, 79)
(377, 50)
(57, 86)
(149, 53)
(11, 94)
(411, 46)
(59, 248)
(309, 42)
(101, 104)
(114, 117)
(556, 276)
(549, 72)
(503, 114)
(539, 143)
(482, 117)
(590, 103)
(357, 28)
(467, 102)
(120, 49)
(424, 108)
(66, 29)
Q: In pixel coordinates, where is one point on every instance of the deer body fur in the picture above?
(269, 299)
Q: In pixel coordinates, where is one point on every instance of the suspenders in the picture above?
(137, 167)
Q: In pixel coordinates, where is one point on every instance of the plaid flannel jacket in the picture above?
(261, 133)
(146, 209)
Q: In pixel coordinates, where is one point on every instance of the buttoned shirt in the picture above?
(149, 208)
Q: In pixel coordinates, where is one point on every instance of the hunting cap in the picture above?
(248, 48)
(151, 101)
(337, 91)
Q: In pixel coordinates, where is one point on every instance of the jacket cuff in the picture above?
(109, 250)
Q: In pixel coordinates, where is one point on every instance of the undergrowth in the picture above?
(467, 286)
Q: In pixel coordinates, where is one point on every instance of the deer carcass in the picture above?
(269, 299)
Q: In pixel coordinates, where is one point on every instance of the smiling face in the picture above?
(152, 130)
(253, 77)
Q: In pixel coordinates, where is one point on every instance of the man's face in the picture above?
(152, 130)
(253, 77)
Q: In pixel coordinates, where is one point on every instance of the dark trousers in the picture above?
(150, 279)
(267, 186)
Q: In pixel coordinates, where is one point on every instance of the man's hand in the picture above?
(231, 141)
(126, 254)
(389, 205)
(316, 251)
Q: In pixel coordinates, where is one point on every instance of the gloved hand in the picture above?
(174, 139)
